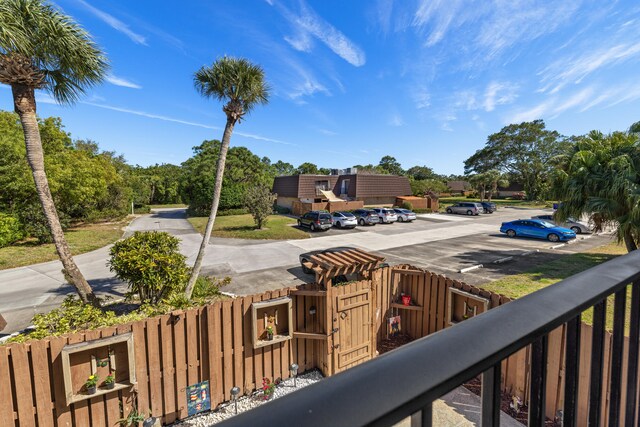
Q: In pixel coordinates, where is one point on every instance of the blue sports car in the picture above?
(537, 228)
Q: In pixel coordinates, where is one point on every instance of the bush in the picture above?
(150, 262)
(35, 224)
(407, 205)
(427, 210)
(140, 209)
(10, 230)
(231, 212)
(259, 202)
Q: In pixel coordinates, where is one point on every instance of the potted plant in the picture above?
(110, 381)
(406, 299)
(269, 333)
(268, 388)
(91, 383)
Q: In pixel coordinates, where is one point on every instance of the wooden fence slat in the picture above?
(96, 404)
(22, 384)
(128, 395)
(112, 400)
(180, 349)
(443, 295)
(238, 347)
(249, 381)
(192, 347)
(142, 373)
(41, 382)
(257, 355)
(168, 369)
(62, 411)
(155, 374)
(6, 408)
(227, 349)
(214, 329)
(80, 409)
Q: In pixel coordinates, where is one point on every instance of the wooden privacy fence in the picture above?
(331, 328)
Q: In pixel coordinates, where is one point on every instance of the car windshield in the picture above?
(325, 216)
(347, 214)
(388, 211)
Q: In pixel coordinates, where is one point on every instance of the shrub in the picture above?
(259, 202)
(150, 262)
(407, 205)
(427, 210)
(281, 210)
(231, 212)
(35, 224)
(10, 230)
(139, 209)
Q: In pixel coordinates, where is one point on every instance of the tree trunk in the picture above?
(217, 189)
(25, 105)
(630, 242)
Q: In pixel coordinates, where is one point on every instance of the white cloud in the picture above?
(301, 42)
(499, 93)
(119, 81)
(114, 23)
(327, 132)
(384, 9)
(442, 14)
(554, 106)
(310, 23)
(179, 121)
(396, 120)
(422, 98)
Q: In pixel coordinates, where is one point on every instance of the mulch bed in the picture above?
(392, 343)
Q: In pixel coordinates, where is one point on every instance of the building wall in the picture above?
(307, 184)
(286, 202)
(382, 185)
(286, 186)
(378, 200)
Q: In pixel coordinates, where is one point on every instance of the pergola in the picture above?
(330, 264)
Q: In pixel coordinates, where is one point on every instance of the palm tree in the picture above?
(495, 178)
(242, 85)
(602, 179)
(40, 48)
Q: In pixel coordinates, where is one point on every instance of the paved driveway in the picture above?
(441, 242)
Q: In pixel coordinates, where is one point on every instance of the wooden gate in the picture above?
(353, 340)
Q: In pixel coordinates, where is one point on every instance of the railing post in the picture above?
(632, 369)
(491, 382)
(572, 370)
(538, 387)
(597, 357)
(616, 357)
(424, 417)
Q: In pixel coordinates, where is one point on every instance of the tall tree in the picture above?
(308, 169)
(391, 166)
(281, 168)
(522, 150)
(420, 173)
(600, 178)
(41, 48)
(242, 86)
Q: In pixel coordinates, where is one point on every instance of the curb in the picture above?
(501, 260)
(473, 267)
(557, 246)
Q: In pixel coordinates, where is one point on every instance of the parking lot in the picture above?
(443, 243)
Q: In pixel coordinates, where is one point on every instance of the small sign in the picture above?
(394, 326)
(198, 398)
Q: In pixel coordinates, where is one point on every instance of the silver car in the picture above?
(386, 215)
(575, 225)
(468, 208)
(344, 220)
(405, 215)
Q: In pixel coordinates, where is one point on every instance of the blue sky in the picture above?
(424, 81)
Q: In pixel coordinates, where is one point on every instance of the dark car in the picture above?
(366, 216)
(306, 257)
(489, 207)
(316, 220)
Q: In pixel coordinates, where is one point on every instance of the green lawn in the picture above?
(445, 201)
(81, 239)
(542, 276)
(242, 227)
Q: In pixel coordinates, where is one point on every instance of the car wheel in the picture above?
(312, 227)
(449, 211)
(361, 221)
(400, 219)
(469, 213)
(338, 224)
(299, 223)
(511, 233)
(553, 237)
(576, 230)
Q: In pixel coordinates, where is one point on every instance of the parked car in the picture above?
(577, 226)
(537, 228)
(316, 220)
(344, 220)
(306, 257)
(468, 208)
(404, 215)
(366, 217)
(386, 215)
(489, 207)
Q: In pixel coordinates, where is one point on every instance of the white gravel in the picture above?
(227, 409)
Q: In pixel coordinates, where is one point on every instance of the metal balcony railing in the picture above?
(405, 382)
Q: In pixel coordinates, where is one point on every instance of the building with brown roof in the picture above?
(366, 189)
